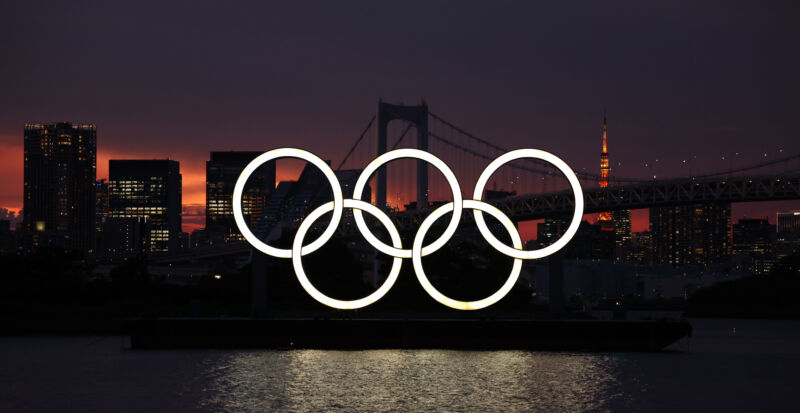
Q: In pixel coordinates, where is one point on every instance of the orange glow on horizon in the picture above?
(194, 192)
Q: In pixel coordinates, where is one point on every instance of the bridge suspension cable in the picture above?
(582, 174)
(403, 135)
(549, 171)
(541, 167)
(360, 137)
(750, 167)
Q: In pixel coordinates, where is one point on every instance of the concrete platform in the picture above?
(369, 333)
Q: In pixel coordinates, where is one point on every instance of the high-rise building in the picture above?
(788, 233)
(121, 237)
(59, 173)
(100, 203)
(753, 236)
(150, 190)
(640, 248)
(622, 227)
(222, 172)
(293, 200)
(551, 230)
(789, 225)
(589, 242)
(752, 246)
(691, 234)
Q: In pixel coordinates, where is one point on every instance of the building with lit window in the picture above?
(789, 225)
(149, 190)
(291, 201)
(222, 172)
(691, 234)
(59, 173)
(753, 242)
(100, 203)
(753, 236)
(589, 242)
(788, 233)
(622, 232)
(551, 230)
(640, 249)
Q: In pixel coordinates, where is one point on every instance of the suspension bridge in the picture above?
(532, 189)
(525, 189)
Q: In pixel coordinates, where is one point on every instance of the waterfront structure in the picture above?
(691, 234)
(60, 167)
(222, 171)
(150, 190)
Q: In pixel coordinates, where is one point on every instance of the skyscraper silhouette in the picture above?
(691, 234)
(222, 172)
(150, 190)
(59, 172)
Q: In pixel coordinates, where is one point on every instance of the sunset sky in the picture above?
(182, 79)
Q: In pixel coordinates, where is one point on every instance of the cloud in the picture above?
(11, 169)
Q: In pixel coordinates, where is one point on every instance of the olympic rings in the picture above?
(417, 250)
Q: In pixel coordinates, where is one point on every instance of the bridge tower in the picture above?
(418, 116)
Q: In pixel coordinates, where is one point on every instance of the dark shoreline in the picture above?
(365, 333)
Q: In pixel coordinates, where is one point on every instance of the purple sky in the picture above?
(181, 79)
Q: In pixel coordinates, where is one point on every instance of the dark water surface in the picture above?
(755, 368)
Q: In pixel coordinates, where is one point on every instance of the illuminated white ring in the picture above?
(297, 260)
(416, 256)
(287, 153)
(518, 252)
(414, 154)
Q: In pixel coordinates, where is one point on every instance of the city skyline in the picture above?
(399, 206)
(194, 210)
(721, 83)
